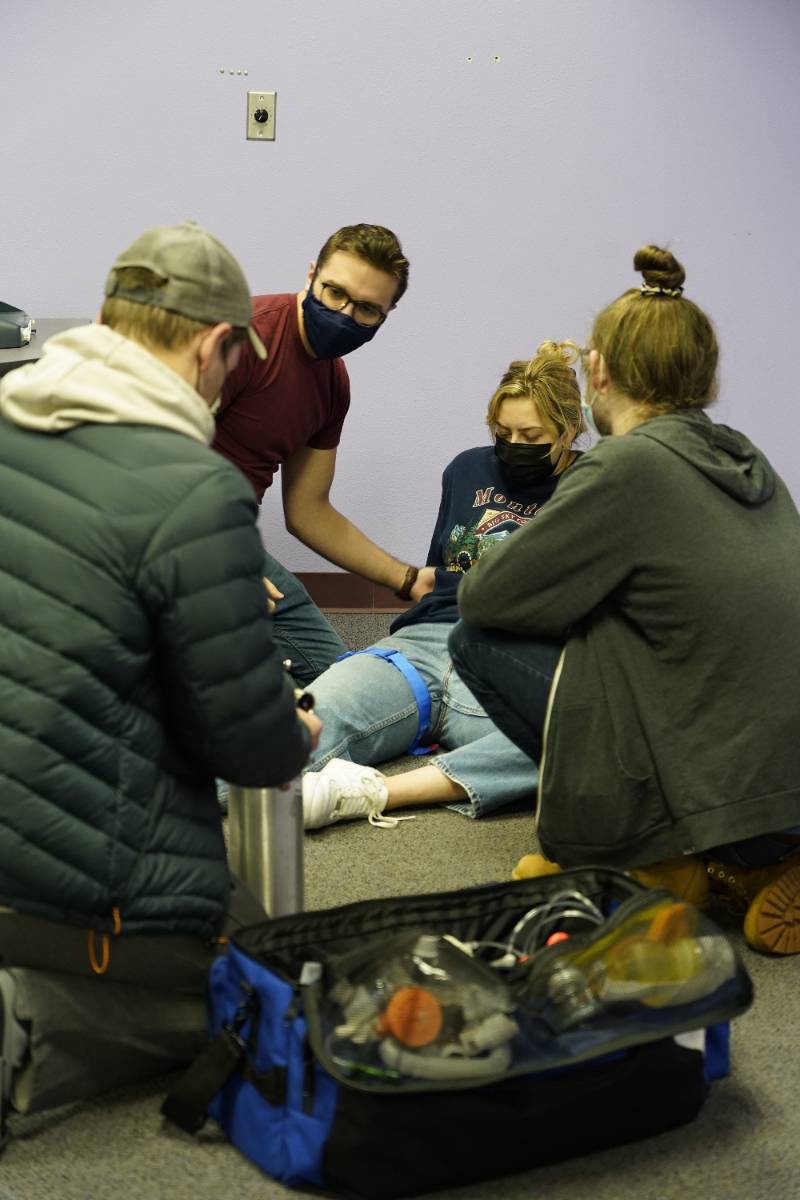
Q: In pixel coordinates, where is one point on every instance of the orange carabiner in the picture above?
(101, 967)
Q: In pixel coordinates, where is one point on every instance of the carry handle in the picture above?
(186, 1105)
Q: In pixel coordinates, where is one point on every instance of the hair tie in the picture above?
(657, 290)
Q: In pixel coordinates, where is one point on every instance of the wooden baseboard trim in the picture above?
(339, 591)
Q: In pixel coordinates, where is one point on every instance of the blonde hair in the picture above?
(155, 328)
(660, 349)
(549, 380)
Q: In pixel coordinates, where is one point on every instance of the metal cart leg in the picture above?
(265, 844)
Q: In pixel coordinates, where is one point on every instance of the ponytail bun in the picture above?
(659, 268)
(660, 348)
(565, 352)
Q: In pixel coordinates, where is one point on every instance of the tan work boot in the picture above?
(685, 877)
(533, 866)
(770, 899)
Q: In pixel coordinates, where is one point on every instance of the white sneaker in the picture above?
(343, 790)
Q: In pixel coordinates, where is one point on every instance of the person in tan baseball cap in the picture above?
(139, 665)
(185, 270)
(176, 299)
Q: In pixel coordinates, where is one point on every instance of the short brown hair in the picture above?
(549, 380)
(660, 348)
(156, 328)
(377, 245)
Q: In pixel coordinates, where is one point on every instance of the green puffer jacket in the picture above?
(136, 656)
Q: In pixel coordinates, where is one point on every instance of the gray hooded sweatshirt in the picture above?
(669, 561)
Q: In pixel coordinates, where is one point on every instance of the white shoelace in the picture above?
(382, 820)
(374, 790)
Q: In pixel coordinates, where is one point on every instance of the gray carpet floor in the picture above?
(745, 1145)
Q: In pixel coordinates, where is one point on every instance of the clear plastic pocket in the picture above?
(565, 982)
(423, 1008)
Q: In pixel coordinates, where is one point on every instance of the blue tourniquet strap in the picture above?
(415, 682)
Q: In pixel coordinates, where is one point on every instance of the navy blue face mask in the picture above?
(524, 465)
(332, 334)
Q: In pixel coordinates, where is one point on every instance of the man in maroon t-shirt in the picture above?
(287, 412)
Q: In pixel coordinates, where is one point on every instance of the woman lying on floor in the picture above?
(402, 695)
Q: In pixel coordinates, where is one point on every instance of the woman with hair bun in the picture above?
(402, 694)
(667, 564)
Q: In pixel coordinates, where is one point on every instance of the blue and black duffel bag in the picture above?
(397, 1046)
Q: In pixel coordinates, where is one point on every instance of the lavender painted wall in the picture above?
(522, 149)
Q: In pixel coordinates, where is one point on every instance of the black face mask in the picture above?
(332, 334)
(523, 465)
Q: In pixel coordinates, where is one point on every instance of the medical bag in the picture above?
(396, 1046)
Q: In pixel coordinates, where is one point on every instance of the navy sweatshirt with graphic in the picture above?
(478, 510)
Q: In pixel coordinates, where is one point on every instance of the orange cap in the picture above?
(413, 1016)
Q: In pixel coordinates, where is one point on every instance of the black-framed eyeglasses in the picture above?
(337, 299)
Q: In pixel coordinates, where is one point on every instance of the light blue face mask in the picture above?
(588, 417)
(586, 407)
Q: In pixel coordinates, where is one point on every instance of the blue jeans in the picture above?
(510, 677)
(300, 630)
(369, 715)
(763, 851)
